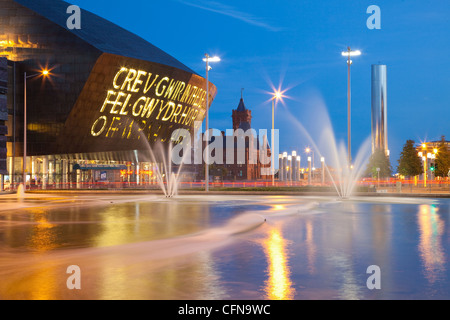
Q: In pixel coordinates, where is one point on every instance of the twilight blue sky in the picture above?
(296, 45)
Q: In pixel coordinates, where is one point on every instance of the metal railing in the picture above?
(365, 185)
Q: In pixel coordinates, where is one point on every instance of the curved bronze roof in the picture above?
(103, 34)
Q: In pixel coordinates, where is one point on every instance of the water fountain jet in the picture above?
(169, 180)
(21, 192)
(345, 176)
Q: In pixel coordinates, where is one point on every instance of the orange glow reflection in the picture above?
(310, 247)
(431, 229)
(43, 236)
(42, 284)
(278, 286)
(278, 207)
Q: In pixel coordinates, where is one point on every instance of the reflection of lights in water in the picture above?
(278, 207)
(431, 229)
(206, 270)
(278, 286)
(116, 228)
(310, 247)
(349, 288)
(43, 236)
(42, 284)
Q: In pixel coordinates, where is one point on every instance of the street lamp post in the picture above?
(207, 59)
(309, 170)
(307, 151)
(425, 165)
(322, 160)
(25, 77)
(429, 160)
(276, 96)
(433, 173)
(349, 53)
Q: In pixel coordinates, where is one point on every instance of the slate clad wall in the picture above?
(3, 113)
(34, 35)
(35, 43)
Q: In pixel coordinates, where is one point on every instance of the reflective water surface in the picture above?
(226, 247)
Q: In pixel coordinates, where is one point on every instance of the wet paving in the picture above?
(224, 247)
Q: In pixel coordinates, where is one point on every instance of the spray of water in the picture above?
(162, 155)
(168, 179)
(343, 175)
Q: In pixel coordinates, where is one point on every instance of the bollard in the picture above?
(398, 186)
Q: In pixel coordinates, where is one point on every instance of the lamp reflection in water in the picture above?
(278, 286)
(41, 282)
(278, 207)
(310, 247)
(44, 236)
(431, 228)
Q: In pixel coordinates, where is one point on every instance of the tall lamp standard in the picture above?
(311, 168)
(276, 96)
(207, 59)
(25, 77)
(322, 160)
(349, 53)
(423, 154)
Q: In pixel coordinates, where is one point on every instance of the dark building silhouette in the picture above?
(3, 114)
(109, 97)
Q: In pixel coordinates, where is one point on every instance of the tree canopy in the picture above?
(380, 160)
(442, 159)
(409, 163)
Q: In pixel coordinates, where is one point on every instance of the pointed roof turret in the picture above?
(102, 34)
(241, 106)
(241, 114)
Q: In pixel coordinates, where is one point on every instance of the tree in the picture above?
(218, 170)
(409, 163)
(379, 159)
(442, 159)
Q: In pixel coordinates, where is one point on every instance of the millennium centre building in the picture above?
(86, 104)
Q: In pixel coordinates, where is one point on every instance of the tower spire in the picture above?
(241, 114)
